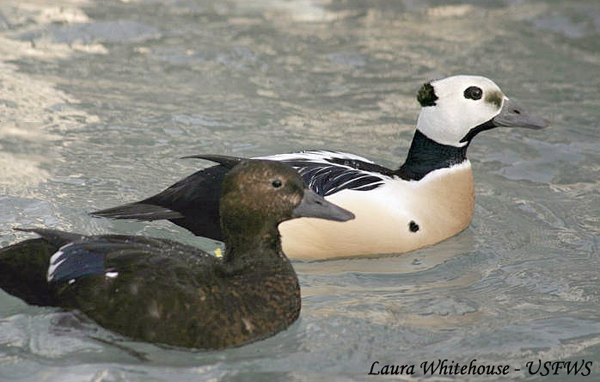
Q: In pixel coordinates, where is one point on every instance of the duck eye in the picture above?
(276, 183)
(473, 92)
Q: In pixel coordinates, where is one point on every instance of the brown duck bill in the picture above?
(315, 206)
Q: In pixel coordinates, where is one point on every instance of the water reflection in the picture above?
(99, 100)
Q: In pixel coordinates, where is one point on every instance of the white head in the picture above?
(456, 108)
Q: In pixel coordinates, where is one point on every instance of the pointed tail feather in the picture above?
(223, 160)
(138, 211)
(53, 236)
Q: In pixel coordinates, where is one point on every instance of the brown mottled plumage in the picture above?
(158, 290)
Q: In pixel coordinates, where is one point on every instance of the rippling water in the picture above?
(99, 100)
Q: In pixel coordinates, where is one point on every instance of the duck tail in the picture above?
(24, 268)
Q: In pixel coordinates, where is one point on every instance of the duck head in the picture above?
(457, 108)
(257, 195)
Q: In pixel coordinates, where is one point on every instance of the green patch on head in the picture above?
(426, 95)
(495, 97)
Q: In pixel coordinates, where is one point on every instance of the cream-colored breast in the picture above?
(439, 206)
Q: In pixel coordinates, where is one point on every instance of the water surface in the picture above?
(99, 100)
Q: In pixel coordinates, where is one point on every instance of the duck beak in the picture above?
(514, 115)
(315, 206)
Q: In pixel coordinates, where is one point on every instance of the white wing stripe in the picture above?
(355, 179)
(315, 156)
(54, 264)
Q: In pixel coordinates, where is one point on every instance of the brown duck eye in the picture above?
(473, 92)
(276, 183)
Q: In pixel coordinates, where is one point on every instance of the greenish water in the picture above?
(99, 100)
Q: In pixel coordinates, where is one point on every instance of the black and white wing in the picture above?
(328, 172)
(115, 255)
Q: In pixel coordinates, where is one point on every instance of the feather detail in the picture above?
(328, 172)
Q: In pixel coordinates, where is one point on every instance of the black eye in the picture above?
(473, 92)
(276, 183)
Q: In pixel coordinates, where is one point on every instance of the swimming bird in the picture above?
(429, 198)
(161, 291)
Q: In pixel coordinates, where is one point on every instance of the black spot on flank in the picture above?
(473, 92)
(413, 227)
(426, 95)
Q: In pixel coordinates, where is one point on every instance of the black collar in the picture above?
(426, 155)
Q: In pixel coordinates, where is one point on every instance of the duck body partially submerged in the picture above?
(429, 198)
(161, 291)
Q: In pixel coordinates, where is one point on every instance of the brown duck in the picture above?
(160, 291)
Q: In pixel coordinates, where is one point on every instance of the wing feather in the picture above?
(328, 172)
